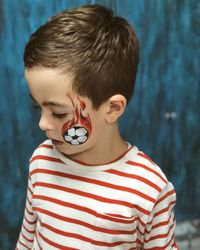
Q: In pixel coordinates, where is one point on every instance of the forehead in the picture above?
(52, 88)
(47, 83)
(45, 77)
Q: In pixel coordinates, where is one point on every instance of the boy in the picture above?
(88, 188)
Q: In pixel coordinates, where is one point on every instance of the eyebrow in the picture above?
(51, 103)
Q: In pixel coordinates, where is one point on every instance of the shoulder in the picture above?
(147, 181)
(43, 153)
(142, 165)
(44, 148)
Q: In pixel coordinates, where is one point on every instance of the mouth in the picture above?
(56, 142)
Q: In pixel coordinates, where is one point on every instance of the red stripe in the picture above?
(27, 239)
(163, 247)
(160, 224)
(46, 158)
(55, 244)
(46, 146)
(140, 232)
(85, 239)
(29, 222)
(121, 216)
(136, 164)
(146, 157)
(139, 244)
(163, 223)
(38, 242)
(81, 208)
(31, 192)
(92, 196)
(96, 182)
(137, 177)
(166, 196)
(161, 236)
(164, 210)
(176, 246)
(30, 213)
(82, 193)
(29, 231)
(84, 224)
(24, 245)
(29, 202)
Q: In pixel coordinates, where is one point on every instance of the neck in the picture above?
(107, 150)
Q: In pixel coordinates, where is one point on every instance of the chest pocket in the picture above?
(116, 231)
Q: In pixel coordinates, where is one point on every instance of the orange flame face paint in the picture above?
(78, 129)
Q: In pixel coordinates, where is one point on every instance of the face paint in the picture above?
(78, 129)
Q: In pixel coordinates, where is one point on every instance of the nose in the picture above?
(45, 123)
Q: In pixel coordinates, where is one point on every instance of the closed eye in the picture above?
(60, 116)
(56, 115)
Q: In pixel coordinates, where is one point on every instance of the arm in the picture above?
(27, 233)
(160, 229)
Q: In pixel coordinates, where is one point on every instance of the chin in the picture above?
(71, 150)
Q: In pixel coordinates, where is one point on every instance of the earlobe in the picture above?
(116, 107)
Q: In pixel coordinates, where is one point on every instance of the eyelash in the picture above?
(59, 116)
(35, 106)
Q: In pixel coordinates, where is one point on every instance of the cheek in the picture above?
(77, 130)
(76, 133)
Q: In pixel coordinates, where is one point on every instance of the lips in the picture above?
(56, 142)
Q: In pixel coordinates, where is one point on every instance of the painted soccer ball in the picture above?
(76, 135)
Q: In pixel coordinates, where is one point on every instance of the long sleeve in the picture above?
(27, 234)
(159, 231)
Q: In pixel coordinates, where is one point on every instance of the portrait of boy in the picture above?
(88, 188)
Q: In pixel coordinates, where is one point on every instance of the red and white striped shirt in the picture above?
(126, 204)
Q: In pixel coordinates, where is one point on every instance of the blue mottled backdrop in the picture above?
(162, 119)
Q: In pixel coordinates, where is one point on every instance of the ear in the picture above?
(116, 105)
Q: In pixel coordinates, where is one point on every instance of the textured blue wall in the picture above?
(162, 119)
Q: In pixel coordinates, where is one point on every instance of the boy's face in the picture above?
(67, 118)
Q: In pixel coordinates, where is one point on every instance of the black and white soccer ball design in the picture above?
(76, 135)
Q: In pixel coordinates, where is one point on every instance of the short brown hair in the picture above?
(100, 49)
